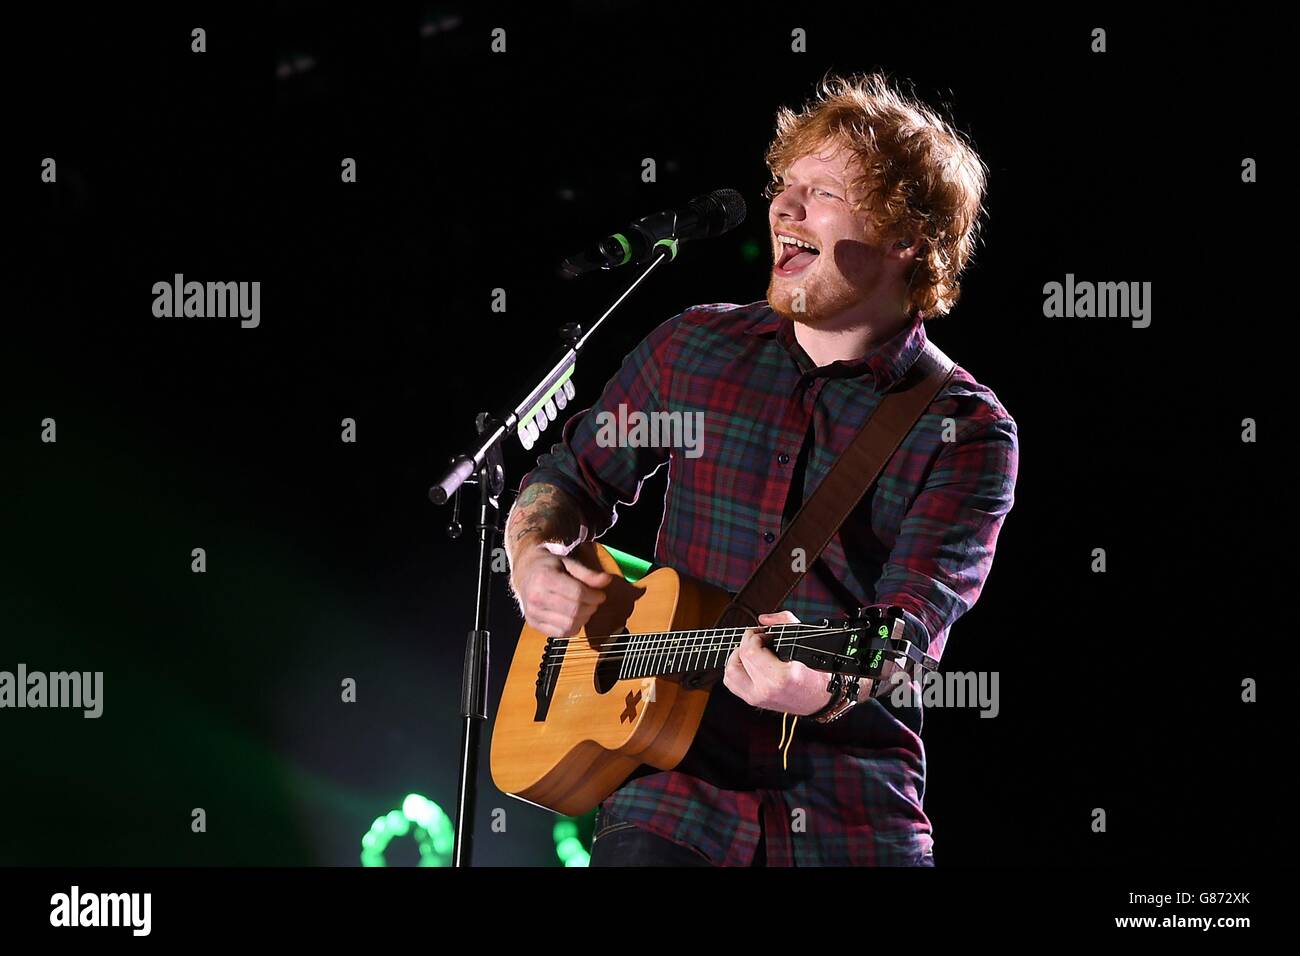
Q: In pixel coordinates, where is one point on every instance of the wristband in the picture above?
(836, 687)
(845, 702)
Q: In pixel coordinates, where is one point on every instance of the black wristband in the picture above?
(836, 687)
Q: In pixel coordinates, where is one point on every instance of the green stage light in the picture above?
(568, 848)
(426, 823)
(419, 810)
(420, 817)
(568, 841)
(564, 829)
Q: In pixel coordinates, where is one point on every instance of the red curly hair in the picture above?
(919, 177)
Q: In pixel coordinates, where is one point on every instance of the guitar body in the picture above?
(568, 732)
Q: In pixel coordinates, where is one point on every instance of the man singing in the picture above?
(875, 208)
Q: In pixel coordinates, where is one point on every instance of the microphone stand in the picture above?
(487, 464)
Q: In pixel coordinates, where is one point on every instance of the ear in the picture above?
(904, 249)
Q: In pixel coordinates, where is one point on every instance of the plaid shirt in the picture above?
(922, 538)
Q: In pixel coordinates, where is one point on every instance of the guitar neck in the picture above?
(678, 653)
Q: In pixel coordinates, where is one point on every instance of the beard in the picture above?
(812, 299)
(829, 292)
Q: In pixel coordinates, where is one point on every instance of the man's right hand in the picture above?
(557, 594)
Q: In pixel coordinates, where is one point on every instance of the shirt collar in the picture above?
(886, 364)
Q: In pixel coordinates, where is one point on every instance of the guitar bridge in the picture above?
(548, 673)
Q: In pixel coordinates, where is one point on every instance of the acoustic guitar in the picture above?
(578, 715)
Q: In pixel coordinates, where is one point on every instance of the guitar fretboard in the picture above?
(671, 653)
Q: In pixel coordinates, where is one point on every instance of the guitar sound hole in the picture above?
(607, 666)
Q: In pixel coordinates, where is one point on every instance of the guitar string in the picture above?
(685, 662)
(690, 658)
(564, 679)
(674, 647)
(651, 640)
(557, 660)
(585, 676)
(781, 628)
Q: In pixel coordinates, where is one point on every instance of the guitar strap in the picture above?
(844, 486)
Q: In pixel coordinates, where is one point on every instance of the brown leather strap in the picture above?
(844, 486)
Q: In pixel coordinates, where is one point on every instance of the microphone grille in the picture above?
(724, 210)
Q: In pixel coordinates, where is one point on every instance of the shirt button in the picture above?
(783, 458)
(769, 537)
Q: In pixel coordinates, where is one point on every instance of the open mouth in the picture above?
(795, 255)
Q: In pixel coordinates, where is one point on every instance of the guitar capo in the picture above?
(889, 642)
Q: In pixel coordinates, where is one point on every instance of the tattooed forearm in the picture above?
(532, 493)
(542, 513)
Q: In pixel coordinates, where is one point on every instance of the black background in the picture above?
(477, 171)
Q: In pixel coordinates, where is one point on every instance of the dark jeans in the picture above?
(616, 842)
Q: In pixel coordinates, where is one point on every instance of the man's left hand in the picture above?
(760, 678)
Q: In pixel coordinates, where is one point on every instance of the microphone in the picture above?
(703, 217)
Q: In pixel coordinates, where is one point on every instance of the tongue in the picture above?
(799, 260)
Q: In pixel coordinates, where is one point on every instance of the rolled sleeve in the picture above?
(945, 546)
